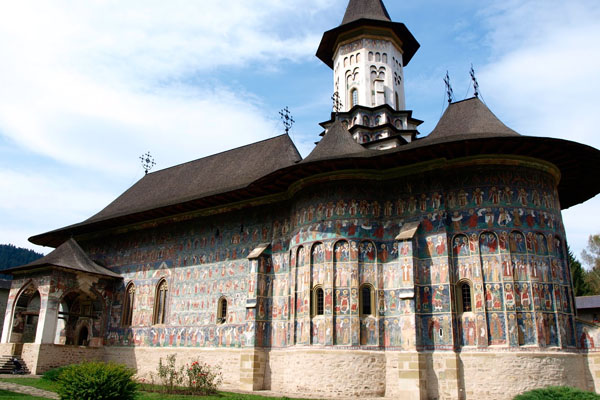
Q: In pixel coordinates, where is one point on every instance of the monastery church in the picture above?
(386, 263)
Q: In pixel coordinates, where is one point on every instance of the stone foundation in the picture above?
(40, 358)
(145, 360)
(352, 373)
(327, 372)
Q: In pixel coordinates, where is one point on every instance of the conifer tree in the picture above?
(578, 276)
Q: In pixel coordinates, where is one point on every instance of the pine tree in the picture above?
(12, 256)
(578, 276)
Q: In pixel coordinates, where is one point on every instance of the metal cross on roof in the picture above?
(147, 162)
(287, 119)
(449, 90)
(337, 103)
(475, 83)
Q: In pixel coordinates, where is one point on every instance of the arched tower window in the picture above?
(397, 102)
(127, 316)
(222, 311)
(160, 302)
(366, 300)
(353, 97)
(318, 301)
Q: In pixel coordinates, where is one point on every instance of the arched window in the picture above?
(397, 103)
(353, 97)
(464, 297)
(366, 300)
(318, 301)
(160, 302)
(222, 311)
(127, 316)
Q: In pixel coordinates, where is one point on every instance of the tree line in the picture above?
(12, 256)
(586, 281)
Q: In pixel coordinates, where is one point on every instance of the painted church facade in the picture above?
(382, 264)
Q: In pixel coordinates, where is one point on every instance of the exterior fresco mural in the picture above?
(499, 231)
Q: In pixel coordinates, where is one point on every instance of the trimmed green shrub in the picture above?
(557, 393)
(53, 374)
(97, 381)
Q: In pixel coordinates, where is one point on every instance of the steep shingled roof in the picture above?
(370, 9)
(229, 170)
(366, 14)
(68, 255)
(337, 142)
(469, 117)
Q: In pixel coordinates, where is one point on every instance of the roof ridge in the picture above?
(225, 151)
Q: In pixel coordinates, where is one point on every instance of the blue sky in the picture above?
(87, 87)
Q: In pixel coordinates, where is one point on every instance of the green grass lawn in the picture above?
(53, 387)
(6, 395)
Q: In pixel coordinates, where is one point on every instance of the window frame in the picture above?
(460, 303)
(160, 302)
(315, 301)
(361, 301)
(222, 311)
(128, 303)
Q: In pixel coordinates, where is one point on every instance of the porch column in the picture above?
(46, 327)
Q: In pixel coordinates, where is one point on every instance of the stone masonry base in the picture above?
(352, 373)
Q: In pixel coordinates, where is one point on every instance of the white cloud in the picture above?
(542, 79)
(35, 202)
(84, 83)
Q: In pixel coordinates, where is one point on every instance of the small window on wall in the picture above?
(222, 311)
(353, 97)
(465, 299)
(318, 301)
(366, 300)
(160, 302)
(128, 305)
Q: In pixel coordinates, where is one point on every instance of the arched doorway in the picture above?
(25, 316)
(78, 313)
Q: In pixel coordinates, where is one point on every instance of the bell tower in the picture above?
(368, 53)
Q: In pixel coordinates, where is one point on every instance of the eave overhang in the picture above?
(576, 163)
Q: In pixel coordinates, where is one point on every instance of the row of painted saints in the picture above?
(518, 199)
(204, 250)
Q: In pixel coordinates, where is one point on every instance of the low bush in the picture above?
(195, 378)
(53, 374)
(557, 393)
(97, 381)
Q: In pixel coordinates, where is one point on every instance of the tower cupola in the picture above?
(367, 53)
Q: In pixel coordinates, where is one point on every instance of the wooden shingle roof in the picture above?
(468, 118)
(68, 255)
(222, 172)
(370, 9)
(366, 14)
(337, 142)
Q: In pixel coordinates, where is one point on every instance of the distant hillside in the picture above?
(12, 256)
